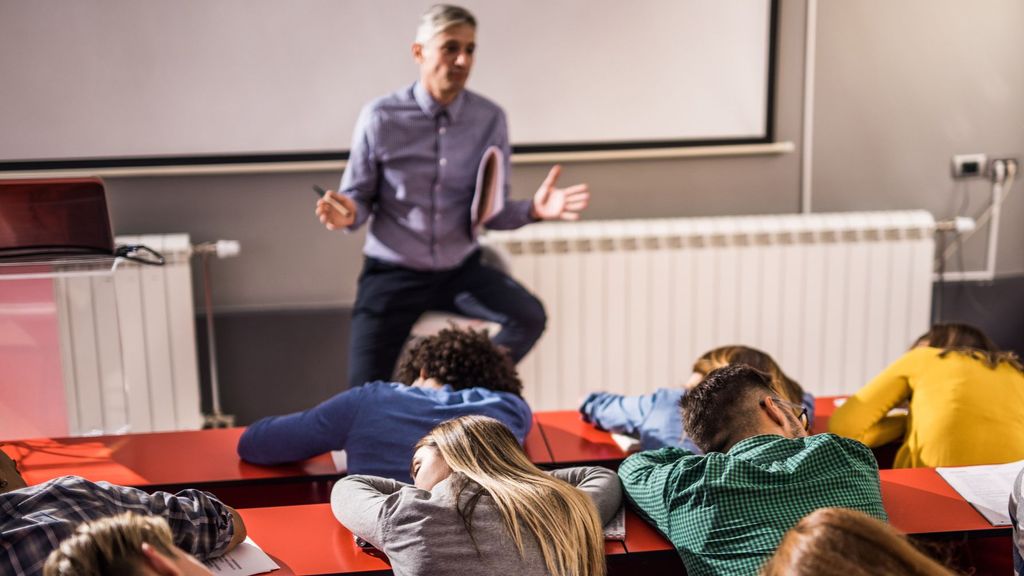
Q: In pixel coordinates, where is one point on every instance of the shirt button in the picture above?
(444, 161)
(437, 188)
(442, 130)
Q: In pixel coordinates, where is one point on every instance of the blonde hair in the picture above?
(842, 541)
(561, 518)
(723, 356)
(109, 546)
(441, 17)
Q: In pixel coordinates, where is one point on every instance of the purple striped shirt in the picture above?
(413, 167)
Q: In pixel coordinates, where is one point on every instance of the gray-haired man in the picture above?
(413, 166)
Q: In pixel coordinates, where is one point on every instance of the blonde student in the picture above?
(962, 392)
(479, 506)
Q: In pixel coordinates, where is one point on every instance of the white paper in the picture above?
(627, 444)
(340, 460)
(245, 560)
(987, 488)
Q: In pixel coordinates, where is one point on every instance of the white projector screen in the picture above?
(116, 80)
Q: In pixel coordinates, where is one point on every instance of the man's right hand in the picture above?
(331, 210)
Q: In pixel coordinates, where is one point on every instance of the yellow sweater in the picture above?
(961, 411)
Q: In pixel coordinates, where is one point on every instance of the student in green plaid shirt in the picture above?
(725, 512)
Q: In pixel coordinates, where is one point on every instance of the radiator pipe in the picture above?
(222, 249)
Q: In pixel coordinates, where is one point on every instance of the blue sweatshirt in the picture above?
(377, 425)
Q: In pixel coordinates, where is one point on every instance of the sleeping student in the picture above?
(655, 418)
(962, 392)
(479, 506)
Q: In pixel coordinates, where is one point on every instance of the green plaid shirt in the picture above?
(726, 513)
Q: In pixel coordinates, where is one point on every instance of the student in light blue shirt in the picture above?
(455, 373)
(655, 419)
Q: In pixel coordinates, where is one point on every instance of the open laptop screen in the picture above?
(66, 217)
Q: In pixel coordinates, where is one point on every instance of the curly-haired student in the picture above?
(454, 373)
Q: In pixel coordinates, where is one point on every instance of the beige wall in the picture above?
(901, 85)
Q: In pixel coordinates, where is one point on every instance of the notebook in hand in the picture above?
(489, 198)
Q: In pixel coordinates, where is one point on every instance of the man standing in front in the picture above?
(413, 167)
(725, 512)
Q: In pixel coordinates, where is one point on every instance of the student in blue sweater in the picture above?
(655, 419)
(455, 373)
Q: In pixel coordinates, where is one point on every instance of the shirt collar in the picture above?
(430, 106)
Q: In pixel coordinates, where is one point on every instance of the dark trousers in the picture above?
(391, 298)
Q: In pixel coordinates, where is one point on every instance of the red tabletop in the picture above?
(573, 441)
(919, 501)
(824, 407)
(162, 458)
(535, 446)
(308, 540)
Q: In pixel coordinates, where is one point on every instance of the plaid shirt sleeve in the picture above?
(201, 524)
(648, 478)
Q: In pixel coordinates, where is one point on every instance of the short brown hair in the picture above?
(720, 410)
(461, 359)
(848, 542)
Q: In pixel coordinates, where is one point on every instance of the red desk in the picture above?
(918, 501)
(307, 540)
(575, 442)
(203, 459)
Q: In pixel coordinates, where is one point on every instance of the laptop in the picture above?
(54, 219)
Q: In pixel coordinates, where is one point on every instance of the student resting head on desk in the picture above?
(842, 541)
(122, 545)
(726, 511)
(655, 418)
(962, 392)
(34, 519)
(479, 506)
(454, 373)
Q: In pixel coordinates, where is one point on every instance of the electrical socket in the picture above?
(969, 165)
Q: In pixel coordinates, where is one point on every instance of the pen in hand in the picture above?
(327, 198)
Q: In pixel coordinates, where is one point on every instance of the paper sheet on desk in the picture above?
(987, 488)
(245, 560)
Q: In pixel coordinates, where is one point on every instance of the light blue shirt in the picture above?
(377, 425)
(655, 419)
(413, 167)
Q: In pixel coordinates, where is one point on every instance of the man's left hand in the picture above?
(552, 203)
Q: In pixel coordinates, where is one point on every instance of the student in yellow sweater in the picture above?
(966, 402)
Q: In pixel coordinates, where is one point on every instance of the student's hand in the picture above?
(551, 203)
(329, 213)
(240, 531)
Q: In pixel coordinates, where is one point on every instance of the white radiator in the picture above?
(128, 344)
(631, 304)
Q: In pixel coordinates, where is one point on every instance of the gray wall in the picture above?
(900, 87)
(903, 85)
(288, 260)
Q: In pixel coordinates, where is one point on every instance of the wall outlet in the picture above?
(969, 165)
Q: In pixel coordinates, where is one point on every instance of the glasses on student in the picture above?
(799, 409)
